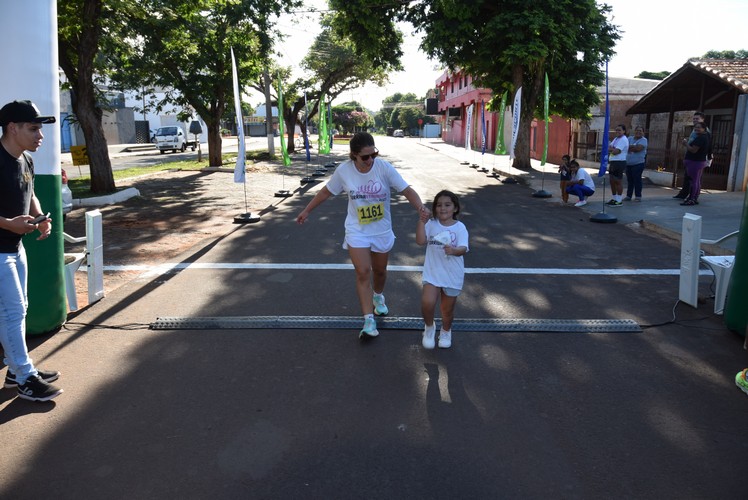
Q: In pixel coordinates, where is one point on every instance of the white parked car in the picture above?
(171, 138)
(398, 133)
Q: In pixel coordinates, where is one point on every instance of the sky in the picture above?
(658, 35)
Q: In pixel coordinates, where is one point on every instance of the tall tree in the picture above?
(184, 46)
(505, 45)
(332, 67)
(81, 26)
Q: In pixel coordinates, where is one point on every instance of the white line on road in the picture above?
(181, 266)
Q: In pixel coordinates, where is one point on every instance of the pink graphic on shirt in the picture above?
(372, 190)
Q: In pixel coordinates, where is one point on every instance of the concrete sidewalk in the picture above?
(721, 211)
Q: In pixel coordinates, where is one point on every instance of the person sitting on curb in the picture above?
(581, 184)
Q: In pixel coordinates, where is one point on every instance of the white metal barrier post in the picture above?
(95, 256)
(689, 260)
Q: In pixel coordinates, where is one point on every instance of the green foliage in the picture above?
(726, 54)
(651, 75)
(350, 117)
(183, 48)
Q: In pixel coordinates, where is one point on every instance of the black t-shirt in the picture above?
(16, 189)
(702, 141)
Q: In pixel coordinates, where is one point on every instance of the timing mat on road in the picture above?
(394, 323)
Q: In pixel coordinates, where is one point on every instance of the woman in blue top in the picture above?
(635, 160)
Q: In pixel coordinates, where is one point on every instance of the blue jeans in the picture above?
(634, 179)
(580, 190)
(13, 304)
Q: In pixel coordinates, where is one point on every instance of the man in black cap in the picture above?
(21, 123)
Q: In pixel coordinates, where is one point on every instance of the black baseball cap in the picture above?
(22, 112)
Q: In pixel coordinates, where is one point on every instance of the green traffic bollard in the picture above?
(736, 312)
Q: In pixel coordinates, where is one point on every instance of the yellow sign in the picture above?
(79, 154)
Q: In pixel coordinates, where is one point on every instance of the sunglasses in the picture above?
(366, 157)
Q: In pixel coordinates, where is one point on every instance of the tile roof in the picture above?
(732, 71)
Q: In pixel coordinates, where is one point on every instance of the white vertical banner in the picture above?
(516, 112)
(469, 127)
(239, 170)
(34, 65)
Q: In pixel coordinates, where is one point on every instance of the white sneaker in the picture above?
(429, 337)
(580, 203)
(369, 329)
(445, 339)
(380, 308)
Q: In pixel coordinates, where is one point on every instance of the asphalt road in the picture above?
(315, 413)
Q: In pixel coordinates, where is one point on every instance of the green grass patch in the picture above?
(81, 186)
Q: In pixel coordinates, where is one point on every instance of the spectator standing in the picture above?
(635, 163)
(21, 123)
(618, 150)
(565, 174)
(685, 190)
(696, 161)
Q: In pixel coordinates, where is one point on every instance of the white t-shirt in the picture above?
(440, 269)
(368, 196)
(583, 174)
(621, 143)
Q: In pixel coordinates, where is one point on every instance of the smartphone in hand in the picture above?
(40, 218)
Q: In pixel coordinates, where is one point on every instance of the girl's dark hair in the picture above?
(359, 141)
(452, 196)
(622, 127)
(573, 163)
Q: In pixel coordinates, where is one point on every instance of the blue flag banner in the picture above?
(483, 129)
(306, 129)
(545, 117)
(606, 129)
(239, 170)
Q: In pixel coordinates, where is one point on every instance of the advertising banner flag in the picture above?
(239, 170)
(606, 129)
(282, 125)
(500, 146)
(306, 130)
(483, 128)
(323, 139)
(469, 127)
(516, 112)
(545, 117)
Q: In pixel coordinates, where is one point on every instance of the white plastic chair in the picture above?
(721, 266)
(73, 262)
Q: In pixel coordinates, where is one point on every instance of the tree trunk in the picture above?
(86, 111)
(89, 118)
(215, 153)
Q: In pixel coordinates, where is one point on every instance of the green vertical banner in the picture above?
(323, 139)
(545, 118)
(736, 314)
(46, 282)
(281, 125)
(500, 146)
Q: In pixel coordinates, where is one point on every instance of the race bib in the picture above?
(370, 213)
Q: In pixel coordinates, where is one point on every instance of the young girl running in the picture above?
(446, 241)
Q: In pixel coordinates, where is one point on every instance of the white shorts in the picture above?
(381, 243)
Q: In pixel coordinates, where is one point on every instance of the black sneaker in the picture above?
(11, 383)
(36, 389)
